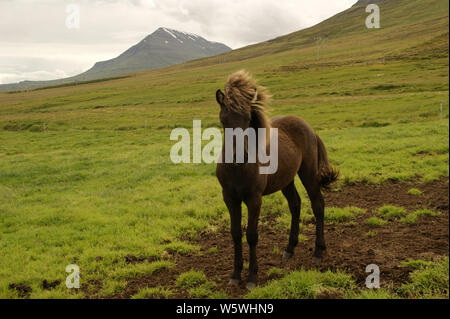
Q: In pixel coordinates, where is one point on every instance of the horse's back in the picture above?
(296, 128)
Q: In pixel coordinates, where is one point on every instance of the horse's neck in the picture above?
(260, 121)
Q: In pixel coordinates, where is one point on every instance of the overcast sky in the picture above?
(36, 44)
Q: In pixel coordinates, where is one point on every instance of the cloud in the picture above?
(37, 28)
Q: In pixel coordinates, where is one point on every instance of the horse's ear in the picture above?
(220, 97)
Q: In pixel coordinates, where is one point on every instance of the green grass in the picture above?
(335, 214)
(376, 294)
(305, 285)
(98, 183)
(213, 250)
(430, 281)
(112, 287)
(197, 285)
(339, 215)
(415, 191)
(356, 210)
(391, 212)
(414, 216)
(181, 248)
(417, 263)
(274, 273)
(372, 233)
(153, 293)
(204, 290)
(375, 222)
(191, 279)
(140, 269)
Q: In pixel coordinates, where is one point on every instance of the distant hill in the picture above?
(367, 2)
(164, 47)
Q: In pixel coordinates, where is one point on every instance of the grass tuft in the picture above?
(415, 191)
(371, 234)
(338, 215)
(275, 273)
(305, 285)
(202, 291)
(376, 222)
(391, 212)
(191, 279)
(412, 218)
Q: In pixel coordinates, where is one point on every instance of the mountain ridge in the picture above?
(162, 48)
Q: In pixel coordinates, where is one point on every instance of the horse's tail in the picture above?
(328, 174)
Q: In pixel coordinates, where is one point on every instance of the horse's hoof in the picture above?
(287, 255)
(317, 260)
(234, 282)
(251, 285)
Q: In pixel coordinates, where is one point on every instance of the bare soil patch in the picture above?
(23, 291)
(350, 249)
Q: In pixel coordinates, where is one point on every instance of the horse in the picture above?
(300, 152)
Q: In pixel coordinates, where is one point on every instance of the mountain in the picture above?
(164, 47)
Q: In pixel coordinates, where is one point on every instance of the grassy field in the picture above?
(85, 172)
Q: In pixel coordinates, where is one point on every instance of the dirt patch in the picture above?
(350, 249)
(24, 291)
(131, 259)
(369, 196)
(329, 294)
(49, 285)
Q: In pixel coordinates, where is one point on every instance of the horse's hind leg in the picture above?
(291, 194)
(254, 206)
(311, 182)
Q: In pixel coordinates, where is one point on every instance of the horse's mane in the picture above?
(245, 96)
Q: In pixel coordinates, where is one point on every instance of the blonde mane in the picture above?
(243, 95)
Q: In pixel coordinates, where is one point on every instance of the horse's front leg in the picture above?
(254, 208)
(235, 208)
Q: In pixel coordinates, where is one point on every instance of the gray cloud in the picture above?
(33, 34)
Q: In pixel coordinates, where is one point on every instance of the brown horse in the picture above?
(300, 151)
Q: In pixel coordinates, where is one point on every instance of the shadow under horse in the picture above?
(300, 152)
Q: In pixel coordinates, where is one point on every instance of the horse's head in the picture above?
(243, 103)
(232, 114)
(242, 98)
